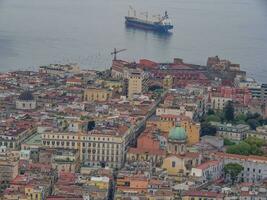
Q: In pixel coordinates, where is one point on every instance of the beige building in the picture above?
(14, 140)
(8, 166)
(95, 147)
(134, 84)
(137, 83)
(65, 160)
(96, 94)
(60, 70)
(26, 101)
(218, 103)
(261, 133)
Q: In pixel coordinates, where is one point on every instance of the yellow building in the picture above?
(173, 165)
(163, 125)
(192, 131)
(96, 94)
(179, 161)
(167, 82)
(34, 193)
(181, 164)
(101, 183)
(196, 195)
(113, 84)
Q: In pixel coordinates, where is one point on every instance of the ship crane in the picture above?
(115, 52)
(158, 17)
(131, 9)
(145, 14)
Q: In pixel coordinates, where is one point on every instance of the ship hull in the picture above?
(133, 22)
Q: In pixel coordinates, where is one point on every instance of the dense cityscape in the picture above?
(139, 130)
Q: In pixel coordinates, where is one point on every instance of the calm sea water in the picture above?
(37, 32)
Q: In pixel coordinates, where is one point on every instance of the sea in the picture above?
(40, 32)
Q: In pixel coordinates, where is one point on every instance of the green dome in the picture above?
(177, 133)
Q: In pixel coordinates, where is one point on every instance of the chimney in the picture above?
(178, 61)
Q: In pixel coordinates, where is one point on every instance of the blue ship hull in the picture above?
(135, 22)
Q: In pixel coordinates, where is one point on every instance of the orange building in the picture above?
(149, 148)
(133, 184)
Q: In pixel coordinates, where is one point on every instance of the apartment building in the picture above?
(96, 94)
(232, 132)
(208, 171)
(97, 147)
(255, 167)
(137, 83)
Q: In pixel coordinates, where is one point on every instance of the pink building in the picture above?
(241, 95)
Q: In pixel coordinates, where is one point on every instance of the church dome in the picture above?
(26, 96)
(177, 133)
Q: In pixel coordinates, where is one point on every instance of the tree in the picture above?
(207, 129)
(233, 170)
(210, 112)
(242, 148)
(228, 142)
(255, 141)
(255, 150)
(253, 123)
(212, 118)
(250, 146)
(229, 111)
(240, 119)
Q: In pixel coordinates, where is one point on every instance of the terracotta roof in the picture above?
(241, 157)
(204, 194)
(169, 116)
(208, 164)
(149, 151)
(73, 80)
(186, 155)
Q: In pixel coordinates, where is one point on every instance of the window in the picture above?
(173, 163)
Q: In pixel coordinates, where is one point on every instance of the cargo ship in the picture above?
(161, 24)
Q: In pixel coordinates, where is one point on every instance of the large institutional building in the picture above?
(96, 148)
